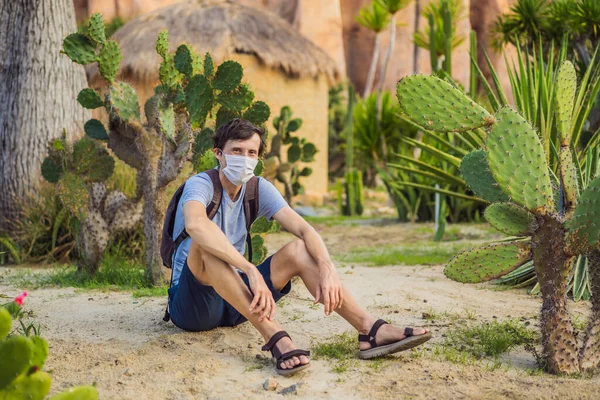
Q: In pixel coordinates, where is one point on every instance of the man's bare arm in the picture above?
(210, 238)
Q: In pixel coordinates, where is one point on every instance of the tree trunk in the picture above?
(154, 215)
(38, 87)
(589, 357)
(552, 269)
(372, 68)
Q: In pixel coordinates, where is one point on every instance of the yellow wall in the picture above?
(308, 98)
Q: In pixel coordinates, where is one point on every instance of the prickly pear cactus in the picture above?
(80, 172)
(21, 361)
(299, 152)
(513, 174)
(192, 93)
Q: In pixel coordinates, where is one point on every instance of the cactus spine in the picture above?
(526, 206)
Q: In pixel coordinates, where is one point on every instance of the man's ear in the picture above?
(219, 156)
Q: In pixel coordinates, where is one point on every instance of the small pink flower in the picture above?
(20, 298)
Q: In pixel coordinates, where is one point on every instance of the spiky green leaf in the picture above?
(198, 99)
(308, 152)
(183, 60)
(89, 99)
(510, 219)
(488, 262)
(162, 43)
(124, 101)
(237, 99)
(79, 49)
(476, 172)
(585, 223)
(258, 113)
(109, 59)
(228, 76)
(209, 66)
(95, 129)
(96, 28)
(294, 153)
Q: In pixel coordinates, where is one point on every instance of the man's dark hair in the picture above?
(238, 129)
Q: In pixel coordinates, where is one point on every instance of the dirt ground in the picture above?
(122, 345)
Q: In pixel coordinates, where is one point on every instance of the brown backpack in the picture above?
(168, 244)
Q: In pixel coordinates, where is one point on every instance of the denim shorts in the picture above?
(197, 307)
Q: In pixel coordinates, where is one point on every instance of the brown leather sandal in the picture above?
(279, 358)
(376, 350)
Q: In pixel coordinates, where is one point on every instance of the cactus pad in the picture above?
(308, 152)
(475, 170)
(16, 352)
(203, 141)
(261, 225)
(237, 99)
(96, 28)
(183, 60)
(258, 113)
(518, 163)
(198, 99)
(73, 194)
(569, 178)
(169, 76)
(209, 66)
(30, 387)
(259, 251)
(5, 322)
(224, 116)
(77, 393)
(566, 86)
(40, 351)
(294, 125)
(438, 106)
(206, 161)
(585, 224)
(95, 129)
(166, 120)
(488, 262)
(79, 49)
(162, 43)
(89, 99)
(228, 76)
(124, 101)
(51, 171)
(294, 153)
(109, 59)
(92, 163)
(510, 219)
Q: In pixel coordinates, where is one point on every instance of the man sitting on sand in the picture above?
(214, 285)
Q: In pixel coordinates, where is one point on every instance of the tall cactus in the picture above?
(191, 93)
(352, 204)
(552, 236)
(299, 153)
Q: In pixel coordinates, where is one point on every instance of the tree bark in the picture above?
(372, 68)
(38, 87)
(154, 215)
(552, 266)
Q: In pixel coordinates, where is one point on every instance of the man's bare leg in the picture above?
(294, 260)
(210, 270)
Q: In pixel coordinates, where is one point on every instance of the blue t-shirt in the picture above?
(230, 217)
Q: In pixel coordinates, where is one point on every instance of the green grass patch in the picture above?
(336, 220)
(490, 339)
(341, 349)
(114, 273)
(428, 253)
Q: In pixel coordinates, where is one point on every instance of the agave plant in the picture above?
(191, 92)
(553, 218)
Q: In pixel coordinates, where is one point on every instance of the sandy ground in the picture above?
(122, 345)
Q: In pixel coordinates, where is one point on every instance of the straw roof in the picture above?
(223, 28)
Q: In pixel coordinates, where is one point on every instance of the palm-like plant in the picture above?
(435, 35)
(375, 18)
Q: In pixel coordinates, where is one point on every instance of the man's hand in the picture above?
(263, 302)
(329, 289)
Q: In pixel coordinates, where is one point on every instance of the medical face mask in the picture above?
(239, 169)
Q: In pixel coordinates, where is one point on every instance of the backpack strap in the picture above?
(250, 210)
(212, 208)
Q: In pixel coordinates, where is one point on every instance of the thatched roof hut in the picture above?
(282, 66)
